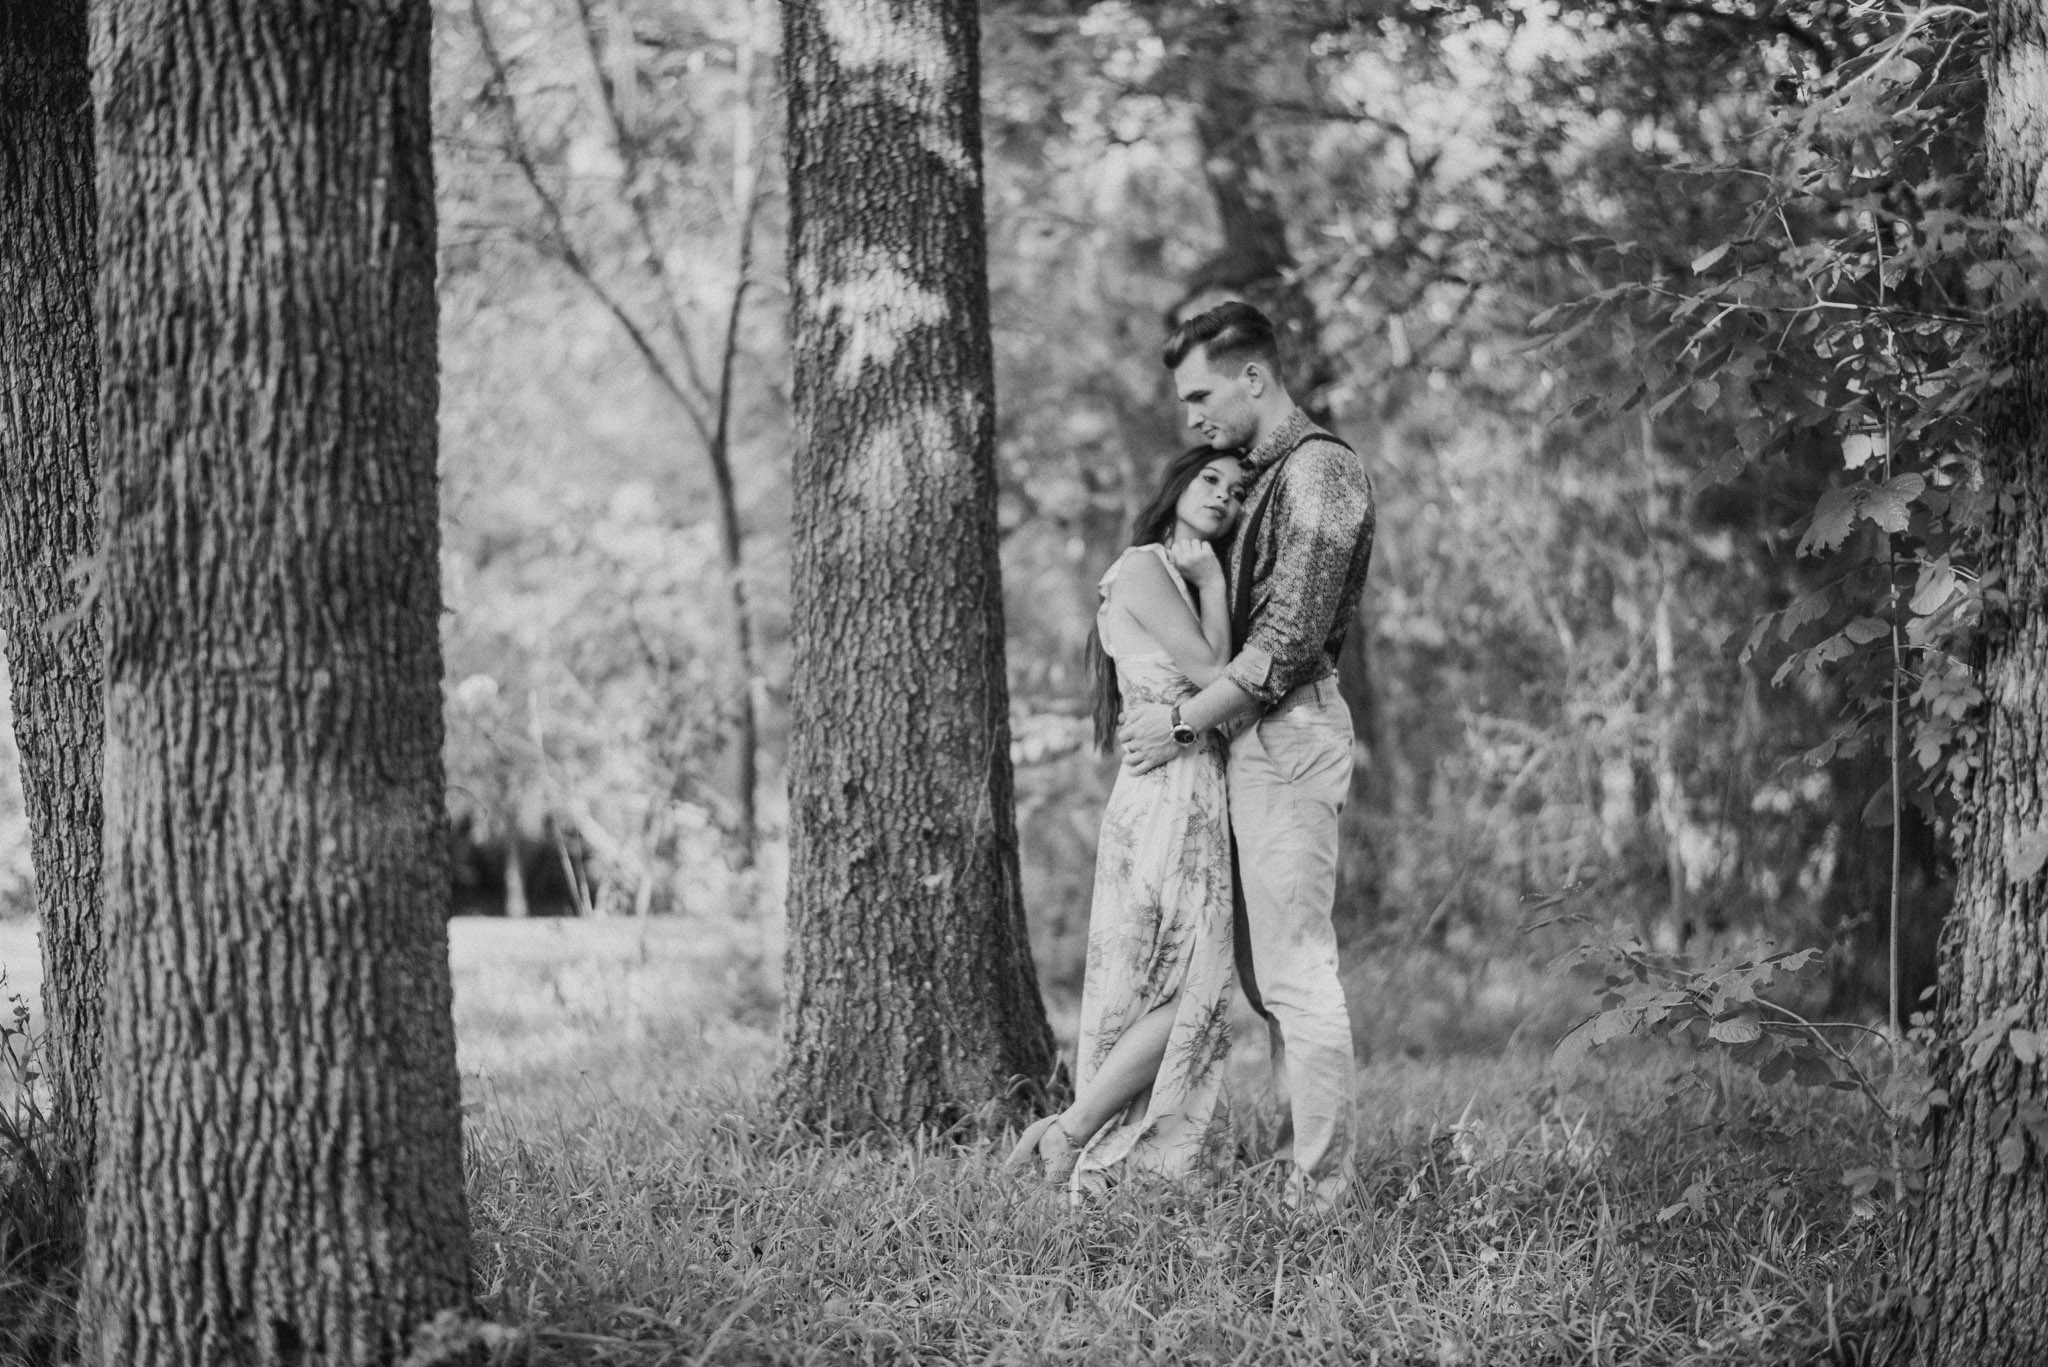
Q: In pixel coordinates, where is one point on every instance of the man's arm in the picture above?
(1321, 507)
(1147, 736)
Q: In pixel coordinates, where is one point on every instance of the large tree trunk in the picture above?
(49, 506)
(1977, 1256)
(912, 999)
(280, 1175)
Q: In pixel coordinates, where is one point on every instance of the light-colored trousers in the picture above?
(1289, 775)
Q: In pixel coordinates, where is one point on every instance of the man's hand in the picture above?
(1147, 737)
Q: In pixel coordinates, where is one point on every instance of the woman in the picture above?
(1155, 997)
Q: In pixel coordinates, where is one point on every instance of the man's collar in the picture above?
(1282, 440)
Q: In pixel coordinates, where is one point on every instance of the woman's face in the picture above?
(1208, 507)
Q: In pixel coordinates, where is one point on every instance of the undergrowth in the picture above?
(634, 1202)
(38, 1261)
(1612, 1217)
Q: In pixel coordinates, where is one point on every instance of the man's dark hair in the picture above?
(1230, 334)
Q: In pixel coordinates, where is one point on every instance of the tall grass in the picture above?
(633, 1203)
(38, 1245)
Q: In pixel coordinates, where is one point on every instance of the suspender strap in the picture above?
(1241, 591)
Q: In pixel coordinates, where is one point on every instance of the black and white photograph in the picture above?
(1023, 683)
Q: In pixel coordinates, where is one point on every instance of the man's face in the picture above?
(1218, 401)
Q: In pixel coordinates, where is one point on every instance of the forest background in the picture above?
(1553, 676)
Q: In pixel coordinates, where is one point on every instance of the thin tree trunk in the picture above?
(1670, 784)
(280, 1174)
(516, 905)
(1254, 261)
(1977, 1252)
(49, 524)
(912, 997)
(709, 410)
(747, 200)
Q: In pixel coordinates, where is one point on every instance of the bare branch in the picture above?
(633, 188)
(562, 246)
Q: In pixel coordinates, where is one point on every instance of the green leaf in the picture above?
(2025, 854)
(1864, 630)
(1738, 1030)
(1983, 1041)
(1776, 1069)
(2012, 1155)
(1795, 961)
(1832, 517)
(1705, 260)
(1705, 394)
(1937, 582)
(1571, 1050)
(1810, 608)
(1809, 1069)
(1860, 448)
(1890, 504)
(1614, 1024)
(1718, 472)
(1757, 631)
(1657, 408)
(1878, 811)
(2033, 1117)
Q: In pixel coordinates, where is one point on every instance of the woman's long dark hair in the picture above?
(1154, 522)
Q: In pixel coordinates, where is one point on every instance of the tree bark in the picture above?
(49, 525)
(1977, 1250)
(280, 1174)
(912, 999)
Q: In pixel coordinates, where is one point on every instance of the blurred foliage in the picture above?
(1559, 680)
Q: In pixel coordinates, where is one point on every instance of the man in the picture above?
(1297, 565)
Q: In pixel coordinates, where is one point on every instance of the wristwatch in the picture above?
(1182, 733)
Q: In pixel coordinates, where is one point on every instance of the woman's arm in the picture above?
(1198, 564)
(1145, 591)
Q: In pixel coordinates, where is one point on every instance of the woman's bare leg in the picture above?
(1127, 1072)
(1130, 1067)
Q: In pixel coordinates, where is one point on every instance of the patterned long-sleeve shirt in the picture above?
(1308, 570)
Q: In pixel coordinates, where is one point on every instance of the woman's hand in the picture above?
(1196, 560)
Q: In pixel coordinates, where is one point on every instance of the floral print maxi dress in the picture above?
(1159, 924)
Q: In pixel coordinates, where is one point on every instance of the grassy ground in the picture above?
(634, 1203)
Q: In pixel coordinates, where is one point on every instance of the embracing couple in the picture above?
(1218, 632)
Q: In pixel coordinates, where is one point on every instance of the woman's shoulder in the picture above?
(1148, 562)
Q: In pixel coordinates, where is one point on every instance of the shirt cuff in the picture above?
(1252, 671)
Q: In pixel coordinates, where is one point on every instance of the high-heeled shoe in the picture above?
(1059, 1153)
(1047, 1141)
(1027, 1145)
